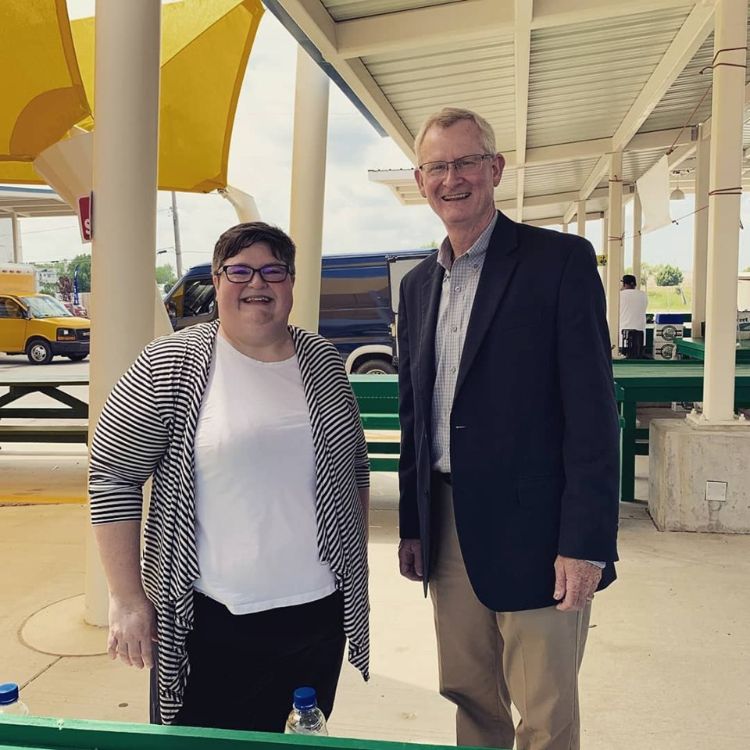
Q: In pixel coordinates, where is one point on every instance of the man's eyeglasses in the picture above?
(239, 273)
(465, 165)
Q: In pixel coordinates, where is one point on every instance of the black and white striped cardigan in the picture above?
(147, 427)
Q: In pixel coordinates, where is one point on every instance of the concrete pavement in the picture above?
(666, 666)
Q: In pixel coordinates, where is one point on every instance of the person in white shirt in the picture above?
(254, 567)
(633, 304)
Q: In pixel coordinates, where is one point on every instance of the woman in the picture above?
(254, 564)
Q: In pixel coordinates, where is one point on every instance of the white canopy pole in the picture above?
(16, 230)
(308, 187)
(637, 221)
(614, 249)
(124, 241)
(700, 233)
(581, 218)
(728, 104)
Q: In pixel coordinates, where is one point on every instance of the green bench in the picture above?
(377, 397)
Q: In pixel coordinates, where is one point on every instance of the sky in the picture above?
(358, 216)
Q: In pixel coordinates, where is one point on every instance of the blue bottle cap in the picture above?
(304, 697)
(9, 693)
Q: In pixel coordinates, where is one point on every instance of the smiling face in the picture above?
(256, 311)
(465, 203)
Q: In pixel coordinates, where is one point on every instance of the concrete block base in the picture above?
(699, 476)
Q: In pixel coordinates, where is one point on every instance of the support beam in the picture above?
(421, 28)
(581, 215)
(637, 223)
(308, 187)
(724, 209)
(549, 199)
(15, 226)
(549, 221)
(700, 234)
(522, 53)
(614, 250)
(313, 20)
(124, 241)
(604, 248)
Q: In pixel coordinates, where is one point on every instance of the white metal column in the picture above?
(565, 227)
(637, 221)
(614, 248)
(308, 187)
(581, 218)
(124, 241)
(604, 250)
(728, 102)
(15, 225)
(700, 233)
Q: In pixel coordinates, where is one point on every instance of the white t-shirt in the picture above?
(255, 487)
(633, 304)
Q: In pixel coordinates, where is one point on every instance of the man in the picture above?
(509, 454)
(633, 304)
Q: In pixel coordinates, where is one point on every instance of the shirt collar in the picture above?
(476, 251)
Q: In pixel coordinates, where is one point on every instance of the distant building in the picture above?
(46, 275)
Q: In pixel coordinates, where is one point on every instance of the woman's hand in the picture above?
(132, 630)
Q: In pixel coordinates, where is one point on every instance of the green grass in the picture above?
(667, 298)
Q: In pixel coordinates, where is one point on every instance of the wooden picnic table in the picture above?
(48, 384)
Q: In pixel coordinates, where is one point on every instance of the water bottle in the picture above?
(10, 703)
(305, 717)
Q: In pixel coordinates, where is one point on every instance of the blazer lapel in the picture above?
(497, 271)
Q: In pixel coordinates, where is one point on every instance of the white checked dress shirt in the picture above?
(460, 281)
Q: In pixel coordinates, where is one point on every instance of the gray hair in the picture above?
(450, 116)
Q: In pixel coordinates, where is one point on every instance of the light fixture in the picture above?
(677, 195)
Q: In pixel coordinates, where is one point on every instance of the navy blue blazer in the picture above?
(534, 424)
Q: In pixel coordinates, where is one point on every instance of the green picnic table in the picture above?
(644, 382)
(55, 734)
(696, 349)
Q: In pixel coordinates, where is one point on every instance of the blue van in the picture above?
(358, 304)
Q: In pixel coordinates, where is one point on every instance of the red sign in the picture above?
(86, 217)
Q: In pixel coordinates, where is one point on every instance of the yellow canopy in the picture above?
(42, 94)
(204, 51)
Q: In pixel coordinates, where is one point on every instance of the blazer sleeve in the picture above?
(590, 501)
(407, 465)
(130, 439)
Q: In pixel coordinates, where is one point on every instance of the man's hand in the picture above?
(132, 630)
(575, 583)
(410, 559)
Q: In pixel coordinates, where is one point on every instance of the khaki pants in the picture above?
(489, 659)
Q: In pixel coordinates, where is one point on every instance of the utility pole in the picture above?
(176, 225)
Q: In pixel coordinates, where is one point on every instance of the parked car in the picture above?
(358, 304)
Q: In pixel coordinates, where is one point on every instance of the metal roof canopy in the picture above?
(564, 83)
(31, 203)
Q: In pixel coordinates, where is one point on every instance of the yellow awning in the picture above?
(204, 51)
(42, 95)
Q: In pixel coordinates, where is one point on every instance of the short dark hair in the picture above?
(240, 236)
(629, 280)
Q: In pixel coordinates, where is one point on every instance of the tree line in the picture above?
(66, 273)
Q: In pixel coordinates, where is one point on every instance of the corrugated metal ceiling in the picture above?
(477, 75)
(585, 77)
